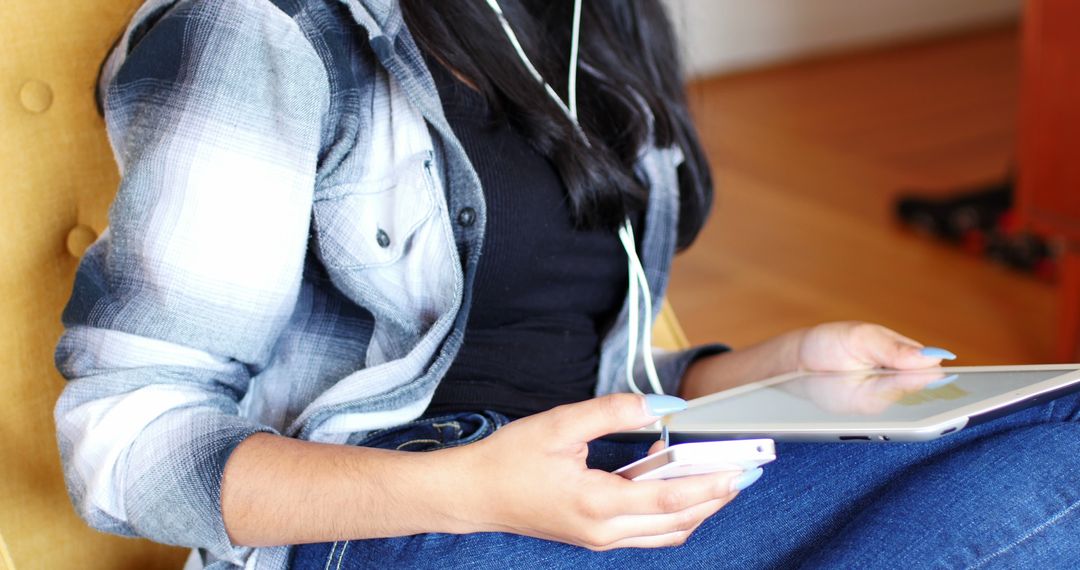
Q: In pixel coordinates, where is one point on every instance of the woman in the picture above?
(351, 230)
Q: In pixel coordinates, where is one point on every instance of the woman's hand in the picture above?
(530, 478)
(851, 346)
(835, 346)
(859, 346)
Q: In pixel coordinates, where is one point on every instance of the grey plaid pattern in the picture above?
(280, 257)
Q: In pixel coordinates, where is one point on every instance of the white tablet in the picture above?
(868, 406)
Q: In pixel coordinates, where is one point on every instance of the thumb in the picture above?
(890, 349)
(591, 419)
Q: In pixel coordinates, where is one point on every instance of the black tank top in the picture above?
(545, 292)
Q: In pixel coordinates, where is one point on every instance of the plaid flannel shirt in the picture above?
(281, 256)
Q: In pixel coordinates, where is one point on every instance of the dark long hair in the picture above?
(629, 80)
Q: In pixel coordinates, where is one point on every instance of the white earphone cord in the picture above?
(637, 276)
(635, 269)
(510, 35)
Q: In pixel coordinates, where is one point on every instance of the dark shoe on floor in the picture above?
(952, 218)
(982, 222)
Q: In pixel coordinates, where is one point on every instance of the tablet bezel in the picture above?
(925, 429)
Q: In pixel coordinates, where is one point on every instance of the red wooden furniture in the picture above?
(1049, 146)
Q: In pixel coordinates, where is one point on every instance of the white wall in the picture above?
(728, 35)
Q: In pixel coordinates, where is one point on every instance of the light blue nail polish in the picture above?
(942, 382)
(662, 405)
(935, 352)
(746, 479)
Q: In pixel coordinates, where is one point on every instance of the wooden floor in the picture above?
(807, 159)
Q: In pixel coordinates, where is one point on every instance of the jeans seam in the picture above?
(473, 438)
(1045, 525)
(342, 555)
(330, 558)
(419, 440)
(453, 424)
(375, 434)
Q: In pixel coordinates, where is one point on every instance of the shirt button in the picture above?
(383, 238)
(466, 217)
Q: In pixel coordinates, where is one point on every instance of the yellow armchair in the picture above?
(59, 178)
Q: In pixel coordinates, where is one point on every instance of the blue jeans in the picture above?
(1005, 494)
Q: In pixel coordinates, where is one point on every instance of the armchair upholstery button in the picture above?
(79, 239)
(36, 96)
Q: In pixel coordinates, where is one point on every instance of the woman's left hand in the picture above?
(852, 345)
(839, 346)
(846, 346)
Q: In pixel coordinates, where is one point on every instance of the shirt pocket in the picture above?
(371, 224)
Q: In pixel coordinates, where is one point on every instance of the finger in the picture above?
(625, 528)
(887, 348)
(657, 447)
(662, 541)
(901, 338)
(588, 420)
(670, 496)
(917, 354)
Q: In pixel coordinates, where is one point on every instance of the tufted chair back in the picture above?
(58, 180)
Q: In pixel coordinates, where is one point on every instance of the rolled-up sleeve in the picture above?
(215, 116)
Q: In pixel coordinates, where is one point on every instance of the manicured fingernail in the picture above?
(942, 382)
(935, 352)
(746, 479)
(662, 405)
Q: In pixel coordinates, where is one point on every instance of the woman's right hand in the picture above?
(530, 478)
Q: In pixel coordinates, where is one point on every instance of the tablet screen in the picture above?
(856, 397)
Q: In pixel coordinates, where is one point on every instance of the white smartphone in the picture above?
(687, 459)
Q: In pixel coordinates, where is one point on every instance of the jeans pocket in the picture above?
(440, 432)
